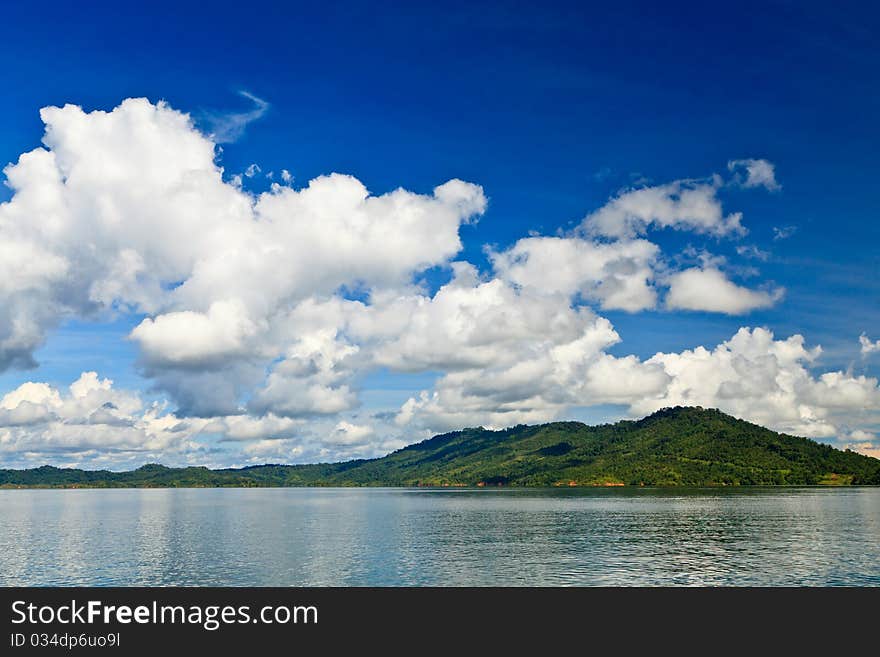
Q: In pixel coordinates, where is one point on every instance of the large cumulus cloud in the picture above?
(128, 210)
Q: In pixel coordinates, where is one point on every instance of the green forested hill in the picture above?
(673, 447)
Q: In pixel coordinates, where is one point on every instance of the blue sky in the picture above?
(553, 108)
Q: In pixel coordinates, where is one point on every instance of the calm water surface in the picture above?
(364, 537)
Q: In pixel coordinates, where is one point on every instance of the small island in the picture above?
(681, 446)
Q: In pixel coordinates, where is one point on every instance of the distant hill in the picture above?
(673, 447)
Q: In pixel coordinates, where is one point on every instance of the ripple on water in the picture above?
(364, 537)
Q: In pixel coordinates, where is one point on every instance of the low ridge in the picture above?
(681, 446)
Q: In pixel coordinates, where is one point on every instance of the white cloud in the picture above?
(346, 433)
(511, 357)
(99, 203)
(768, 381)
(618, 274)
(311, 379)
(754, 173)
(273, 451)
(248, 428)
(31, 393)
(44, 422)
(682, 205)
(531, 377)
(867, 346)
(225, 296)
(95, 424)
(708, 289)
(194, 339)
(468, 323)
(247, 329)
(128, 210)
(752, 376)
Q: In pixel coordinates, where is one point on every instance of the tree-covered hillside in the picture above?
(673, 447)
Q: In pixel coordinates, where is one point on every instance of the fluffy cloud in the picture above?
(468, 323)
(96, 208)
(618, 275)
(311, 379)
(345, 440)
(708, 289)
(753, 376)
(768, 381)
(682, 205)
(754, 173)
(346, 433)
(624, 275)
(194, 339)
(92, 422)
(260, 315)
(128, 210)
(523, 358)
(91, 417)
(248, 428)
(499, 344)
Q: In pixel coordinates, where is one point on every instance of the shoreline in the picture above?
(474, 488)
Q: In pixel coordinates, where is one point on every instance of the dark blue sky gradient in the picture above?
(551, 107)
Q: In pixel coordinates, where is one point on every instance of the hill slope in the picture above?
(673, 447)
